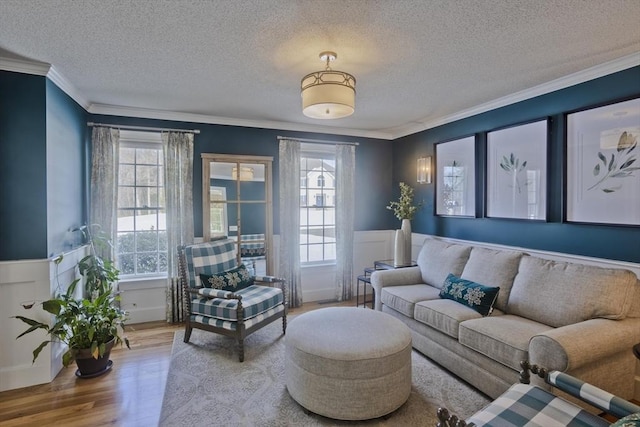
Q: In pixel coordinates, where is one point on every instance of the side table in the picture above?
(365, 279)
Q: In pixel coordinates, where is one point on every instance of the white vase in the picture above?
(398, 249)
(406, 230)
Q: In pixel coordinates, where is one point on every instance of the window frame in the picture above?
(145, 141)
(326, 191)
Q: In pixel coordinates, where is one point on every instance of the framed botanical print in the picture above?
(517, 171)
(603, 164)
(455, 177)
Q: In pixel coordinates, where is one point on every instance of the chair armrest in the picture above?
(268, 279)
(572, 346)
(215, 293)
(586, 392)
(397, 277)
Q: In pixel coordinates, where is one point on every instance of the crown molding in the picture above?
(68, 88)
(591, 73)
(114, 110)
(23, 66)
(45, 69)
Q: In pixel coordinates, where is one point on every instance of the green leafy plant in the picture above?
(80, 323)
(99, 273)
(512, 166)
(620, 165)
(404, 207)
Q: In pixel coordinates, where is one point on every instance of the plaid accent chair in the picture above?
(527, 405)
(235, 314)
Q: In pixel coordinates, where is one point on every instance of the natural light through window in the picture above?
(142, 237)
(317, 207)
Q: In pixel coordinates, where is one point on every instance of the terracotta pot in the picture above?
(88, 366)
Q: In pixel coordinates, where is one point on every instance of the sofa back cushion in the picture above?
(561, 293)
(495, 268)
(437, 259)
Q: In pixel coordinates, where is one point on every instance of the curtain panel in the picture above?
(177, 148)
(104, 185)
(345, 205)
(289, 269)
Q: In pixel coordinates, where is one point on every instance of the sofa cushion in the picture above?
(437, 259)
(474, 295)
(444, 315)
(404, 298)
(502, 338)
(493, 268)
(545, 291)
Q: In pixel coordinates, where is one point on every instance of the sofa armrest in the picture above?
(397, 277)
(572, 346)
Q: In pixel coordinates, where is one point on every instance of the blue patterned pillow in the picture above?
(231, 280)
(632, 420)
(474, 295)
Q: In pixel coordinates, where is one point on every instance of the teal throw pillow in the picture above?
(632, 420)
(231, 280)
(474, 295)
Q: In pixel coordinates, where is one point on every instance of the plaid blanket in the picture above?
(525, 405)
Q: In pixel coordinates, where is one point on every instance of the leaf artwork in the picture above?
(619, 165)
(512, 165)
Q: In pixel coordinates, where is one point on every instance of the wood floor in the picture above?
(129, 395)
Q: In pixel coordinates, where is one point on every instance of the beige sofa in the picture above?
(575, 318)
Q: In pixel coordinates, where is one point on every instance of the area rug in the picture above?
(207, 386)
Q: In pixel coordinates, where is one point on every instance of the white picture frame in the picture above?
(603, 164)
(455, 177)
(516, 185)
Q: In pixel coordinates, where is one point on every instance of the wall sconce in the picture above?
(424, 170)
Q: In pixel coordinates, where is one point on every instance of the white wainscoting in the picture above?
(143, 299)
(23, 283)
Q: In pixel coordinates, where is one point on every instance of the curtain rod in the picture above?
(197, 131)
(319, 141)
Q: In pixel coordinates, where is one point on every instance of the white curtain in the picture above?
(104, 185)
(178, 184)
(345, 194)
(289, 163)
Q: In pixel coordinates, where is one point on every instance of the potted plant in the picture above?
(404, 210)
(91, 326)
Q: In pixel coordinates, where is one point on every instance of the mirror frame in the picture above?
(267, 162)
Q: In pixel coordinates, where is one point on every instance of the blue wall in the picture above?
(613, 242)
(66, 136)
(23, 167)
(373, 174)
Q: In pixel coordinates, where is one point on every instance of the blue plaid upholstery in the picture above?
(593, 395)
(252, 243)
(255, 300)
(236, 313)
(232, 326)
(525, 405)
(209, 258)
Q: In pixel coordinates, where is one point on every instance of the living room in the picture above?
(45, 141)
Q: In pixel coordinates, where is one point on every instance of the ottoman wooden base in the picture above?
(348, 363)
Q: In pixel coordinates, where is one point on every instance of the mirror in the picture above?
(237, 203)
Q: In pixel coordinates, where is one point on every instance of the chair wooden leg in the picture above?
(241, 350)
(187, 334)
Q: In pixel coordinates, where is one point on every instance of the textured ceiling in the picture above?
(416, 62)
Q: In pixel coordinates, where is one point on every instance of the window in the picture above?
(317, 222)
(218, 214)
(454, 189)
(141, 245)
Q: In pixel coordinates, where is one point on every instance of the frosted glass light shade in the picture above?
(328, 94)
(424, 170)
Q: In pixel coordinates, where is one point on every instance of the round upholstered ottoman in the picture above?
(348, 363)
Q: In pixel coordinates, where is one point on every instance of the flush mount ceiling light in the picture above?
(328, 94)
